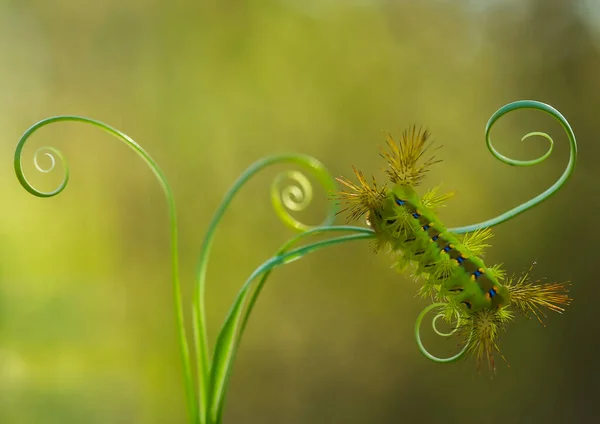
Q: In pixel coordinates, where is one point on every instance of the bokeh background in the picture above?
(87, 332)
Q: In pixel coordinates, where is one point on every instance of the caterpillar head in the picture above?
(402, 193)
(361, 199)
(391, 217)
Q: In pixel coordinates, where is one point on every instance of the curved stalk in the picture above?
(292, 197)
(231, 331)
(52, 153)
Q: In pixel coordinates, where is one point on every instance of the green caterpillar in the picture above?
(450, 265)
(419, 234)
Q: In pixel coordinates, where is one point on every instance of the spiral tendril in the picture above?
(422, 348)
(301, 195)
(295, 197)
(441, 333)
(47, 152)
(527, 104)
(53, 154)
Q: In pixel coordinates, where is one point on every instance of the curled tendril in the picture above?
(53, 154)
(422, 348)
(295, 197)
(50, 153)
(441, 333)
(527, 104)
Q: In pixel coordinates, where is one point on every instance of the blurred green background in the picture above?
(87, 331)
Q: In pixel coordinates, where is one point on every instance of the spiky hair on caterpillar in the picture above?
(448, 265)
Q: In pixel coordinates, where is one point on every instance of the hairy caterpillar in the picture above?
(449, 265)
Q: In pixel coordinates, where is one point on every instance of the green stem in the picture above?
(199, 321)
(229, 336)
(343, 228)
(185, 355)
(527, 104)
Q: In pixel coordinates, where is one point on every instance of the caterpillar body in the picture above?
(449, 265)
(419, 234)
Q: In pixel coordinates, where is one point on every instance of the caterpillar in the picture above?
(450, 266)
